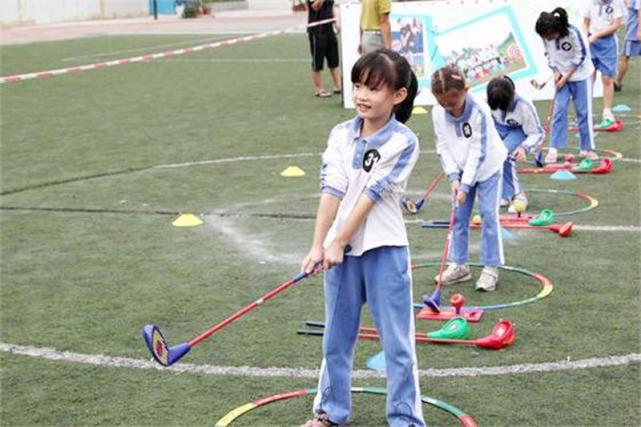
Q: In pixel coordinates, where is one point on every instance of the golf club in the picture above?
(433, 301)
(414, 206)
(604, 167)
(502, 335)
(563, 230)
(167, 356)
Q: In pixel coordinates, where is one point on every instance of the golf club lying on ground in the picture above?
(604, 167)
(434, 301)
(414, 206)
(167, 356)
(502, 335)
(563, 230)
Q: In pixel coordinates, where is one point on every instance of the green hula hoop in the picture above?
(465, 419)
(546, 287)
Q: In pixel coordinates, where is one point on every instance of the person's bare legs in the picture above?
(336, 77)
(608, 96)
(623, 68)
(317, 78)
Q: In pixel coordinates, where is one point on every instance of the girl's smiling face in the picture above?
(377, 104)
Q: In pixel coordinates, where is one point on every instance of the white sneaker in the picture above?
(504, 202)
(488, 280)
(551, 156)
(520, 198)
(455, 274)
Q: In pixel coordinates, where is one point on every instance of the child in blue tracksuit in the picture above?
(569, 58)
(601, 20)
(472, 155)
(361, 241)
(518, 124)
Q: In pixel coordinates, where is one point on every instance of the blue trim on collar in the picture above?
(467, 112)
(377, 139)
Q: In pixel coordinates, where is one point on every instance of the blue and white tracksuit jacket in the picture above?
(518, 126)
(376, 269)
(472, 152)
(564, 54)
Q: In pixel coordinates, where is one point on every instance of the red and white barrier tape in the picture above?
(153, 56)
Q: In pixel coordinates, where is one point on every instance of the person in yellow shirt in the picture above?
(376, 31)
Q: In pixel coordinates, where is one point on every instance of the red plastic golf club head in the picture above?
(457, 300)
(604, 167)
(502, 335)
(563, 230)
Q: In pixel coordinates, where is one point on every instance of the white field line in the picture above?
(236, 159)
(239, 60)
(249, 371)
(287, 156)
(245, 159)
(140, 49)
(626, 159)
(609, 228)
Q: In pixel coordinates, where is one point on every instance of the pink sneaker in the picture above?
(589, 155)
(320, 420)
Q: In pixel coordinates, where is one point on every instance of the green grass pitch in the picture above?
(89, 255)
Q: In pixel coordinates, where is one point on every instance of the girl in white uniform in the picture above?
(569, 58)
(518, 124)
(472, 155)
(601, 20)
(361, 241)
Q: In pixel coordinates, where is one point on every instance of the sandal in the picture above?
(323, 94)
(320, 420)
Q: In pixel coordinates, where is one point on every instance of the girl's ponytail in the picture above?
(562, 17)
(555, 22)
(403, 110)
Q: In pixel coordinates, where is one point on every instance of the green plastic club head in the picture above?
(584, 165)
(455, 329)
(545, 218)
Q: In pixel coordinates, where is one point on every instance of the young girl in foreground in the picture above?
(569, 58)
(361, 241)
(472, 155)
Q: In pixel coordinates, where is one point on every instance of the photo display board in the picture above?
(484, 38)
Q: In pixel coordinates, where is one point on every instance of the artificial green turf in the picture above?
(89, 255)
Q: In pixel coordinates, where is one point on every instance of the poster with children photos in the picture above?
(484, 38)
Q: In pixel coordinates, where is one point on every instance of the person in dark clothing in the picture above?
(323, 44)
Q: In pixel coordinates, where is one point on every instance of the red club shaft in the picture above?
(269, 295)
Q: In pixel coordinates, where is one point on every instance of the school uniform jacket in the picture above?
(377, 166)
(567, 52)
(469, 146)
(521, 113)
